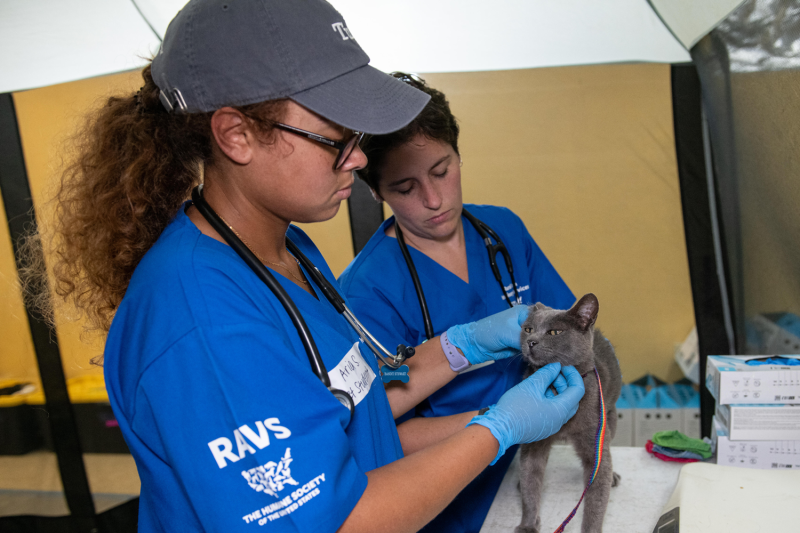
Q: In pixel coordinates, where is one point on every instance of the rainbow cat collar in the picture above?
(598, 451)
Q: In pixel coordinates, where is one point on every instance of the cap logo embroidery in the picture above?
(343, 31)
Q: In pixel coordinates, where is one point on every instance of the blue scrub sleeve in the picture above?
(249, 433)
(387, 325)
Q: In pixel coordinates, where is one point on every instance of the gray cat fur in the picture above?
(584, 347)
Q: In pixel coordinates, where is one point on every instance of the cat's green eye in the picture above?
(555, 332)
(527, 330)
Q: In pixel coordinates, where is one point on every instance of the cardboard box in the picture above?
(624, 434)
(760, 422)
(687, 355)
(655, 411)
(730, 380)
(765, 455)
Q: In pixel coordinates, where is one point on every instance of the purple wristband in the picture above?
(457, 361)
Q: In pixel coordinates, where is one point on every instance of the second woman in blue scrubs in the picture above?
(417, 172)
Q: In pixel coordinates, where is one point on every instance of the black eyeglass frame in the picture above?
(345, 148)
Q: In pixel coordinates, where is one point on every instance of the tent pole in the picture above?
(66, 443)
(706, 266)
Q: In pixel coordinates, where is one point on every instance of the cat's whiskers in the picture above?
(556, 356)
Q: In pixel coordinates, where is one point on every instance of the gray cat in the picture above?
(569, 337)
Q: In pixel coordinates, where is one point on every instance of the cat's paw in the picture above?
(615, 481)
(537, 526)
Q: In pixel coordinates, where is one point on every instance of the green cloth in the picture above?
(678, 441)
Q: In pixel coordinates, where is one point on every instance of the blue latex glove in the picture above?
(560, 385)
(491, 338)
(527, 413)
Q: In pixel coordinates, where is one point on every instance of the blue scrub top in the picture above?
(380, 290)
(229, 426)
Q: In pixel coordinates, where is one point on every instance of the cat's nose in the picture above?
(532, 343)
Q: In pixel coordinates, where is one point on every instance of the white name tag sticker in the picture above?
(353, 375)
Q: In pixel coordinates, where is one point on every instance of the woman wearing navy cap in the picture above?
(261, 101)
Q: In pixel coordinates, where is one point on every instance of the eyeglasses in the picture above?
(345, 148)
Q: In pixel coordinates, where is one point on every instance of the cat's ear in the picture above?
(539, 306)
(585, 311)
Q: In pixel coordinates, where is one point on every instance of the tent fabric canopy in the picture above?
(472, 35)
(691, 20)
(46, 42)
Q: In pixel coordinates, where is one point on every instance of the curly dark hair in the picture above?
(135, 165)
(435, 122)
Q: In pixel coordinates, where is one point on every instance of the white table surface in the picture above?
(634, 506)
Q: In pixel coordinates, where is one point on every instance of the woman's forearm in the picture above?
(405, 495)
(419, 433)
(428, 371)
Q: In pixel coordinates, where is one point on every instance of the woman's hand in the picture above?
(491, 338)
(527, 413)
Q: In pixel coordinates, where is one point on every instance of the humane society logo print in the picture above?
(245, 438)
(271, 477)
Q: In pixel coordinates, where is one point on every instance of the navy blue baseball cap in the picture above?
(220, 53)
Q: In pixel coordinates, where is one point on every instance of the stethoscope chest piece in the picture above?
(345, 399)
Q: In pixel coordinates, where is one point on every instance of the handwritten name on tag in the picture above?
(353, 375)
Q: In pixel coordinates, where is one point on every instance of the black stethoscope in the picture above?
(327, 288)
(484, 231)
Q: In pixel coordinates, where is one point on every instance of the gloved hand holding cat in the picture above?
(530, 411)
(491, 338)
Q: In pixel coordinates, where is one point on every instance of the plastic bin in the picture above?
(97, 426)
(19, 431)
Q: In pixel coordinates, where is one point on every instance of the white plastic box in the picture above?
(765, 455)
(730, 380)
(760, 422)
(689, 400)
(654, 411)
(624, 434)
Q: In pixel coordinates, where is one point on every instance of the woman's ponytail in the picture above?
(134, 166)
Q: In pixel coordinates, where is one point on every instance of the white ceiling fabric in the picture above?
(44, 42)
(691, 20)
(159, 12)
(469, 35)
